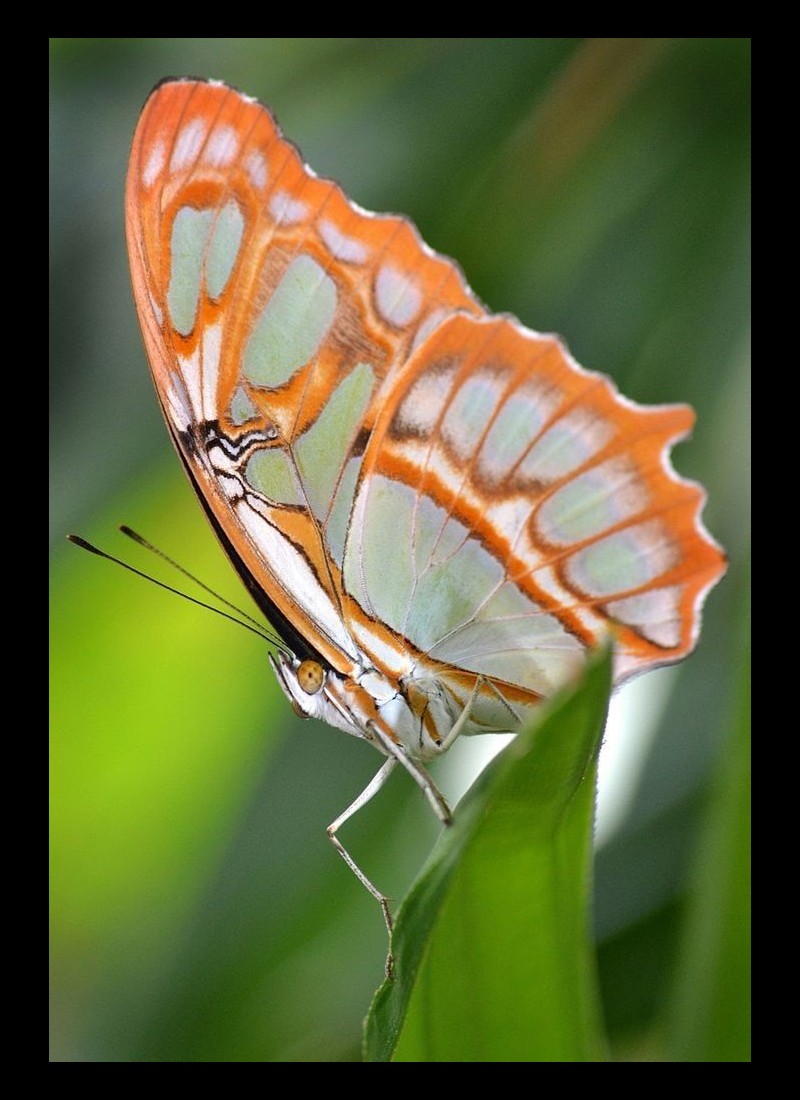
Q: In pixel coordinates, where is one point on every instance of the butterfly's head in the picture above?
(313, 691)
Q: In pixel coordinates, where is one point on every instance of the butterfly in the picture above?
(437, 509)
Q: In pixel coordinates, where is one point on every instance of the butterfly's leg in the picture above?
(418, 774)
(371, 789)
(499, 695)
(463, 717)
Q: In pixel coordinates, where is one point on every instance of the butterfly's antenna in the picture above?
(254, 629)
(142, 541)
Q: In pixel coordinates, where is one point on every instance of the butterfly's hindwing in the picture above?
(524, 509)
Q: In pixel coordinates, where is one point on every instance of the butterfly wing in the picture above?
(272, 309)
(513, 508)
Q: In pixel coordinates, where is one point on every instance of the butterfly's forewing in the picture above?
(512, 508)
(272, 310)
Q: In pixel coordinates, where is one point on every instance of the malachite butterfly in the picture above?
(438, 509)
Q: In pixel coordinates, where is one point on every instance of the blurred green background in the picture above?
(598, 188)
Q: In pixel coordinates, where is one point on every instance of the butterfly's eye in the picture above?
(310, 676)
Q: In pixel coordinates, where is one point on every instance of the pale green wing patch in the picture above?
(190, 232)
(292, 325)
(321, 452)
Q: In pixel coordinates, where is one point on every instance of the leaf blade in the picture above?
(493, 960)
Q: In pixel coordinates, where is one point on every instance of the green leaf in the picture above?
(492, 954)
(710, 1018)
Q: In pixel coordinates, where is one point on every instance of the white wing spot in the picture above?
(399, 299)
(231, 487)
(286, 210)
(256, 167)
(342, 247)
(178, 404)
(155, 163)
(190, 372)
(222, 147)
(188, 145)
(421, 407)
(212, 344)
